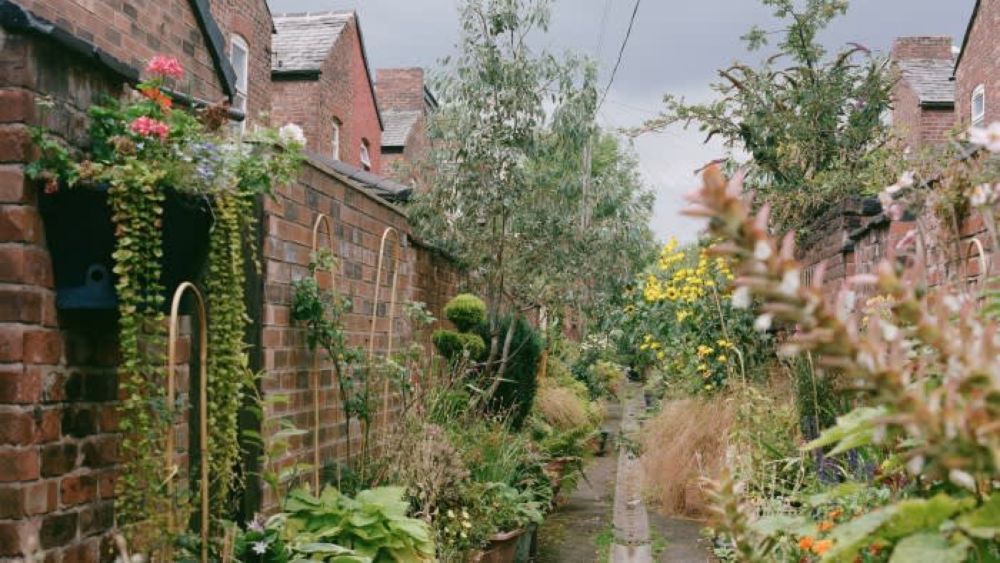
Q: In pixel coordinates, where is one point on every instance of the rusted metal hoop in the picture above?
(202, 405)
(321, 219)
(391, 312)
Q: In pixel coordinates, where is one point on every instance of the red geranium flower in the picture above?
(165, 66)
(149, 127)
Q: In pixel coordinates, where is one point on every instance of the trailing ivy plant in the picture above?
(142, 151)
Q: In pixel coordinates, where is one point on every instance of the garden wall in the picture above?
(852, 240)
(59, 437)
(359, 219)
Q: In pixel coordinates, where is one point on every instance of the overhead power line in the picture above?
(621, 52)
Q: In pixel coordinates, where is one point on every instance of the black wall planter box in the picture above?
(81, 238)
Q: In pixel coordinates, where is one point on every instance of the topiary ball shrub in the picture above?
(465, 311)
(516, 393)
(452, 345)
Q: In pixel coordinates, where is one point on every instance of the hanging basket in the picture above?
(81, 238)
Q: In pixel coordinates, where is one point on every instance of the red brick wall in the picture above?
(358, 220)
(136, 30)
(919, 126)
(980, 64)
(906, 114)
(925, 47)
(58, 379)
(343, 92)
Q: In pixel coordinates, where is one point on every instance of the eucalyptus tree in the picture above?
(516, 193)
(810, 121)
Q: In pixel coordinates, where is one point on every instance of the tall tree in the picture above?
(812, 126)
(515, 194)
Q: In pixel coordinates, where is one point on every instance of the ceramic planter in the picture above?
(81, 237)
(503, 547)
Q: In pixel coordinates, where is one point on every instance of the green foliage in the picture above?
(188, 157)
(373, 525)
(812, 127)
(516, 391)
(465, 311)
(456, 345)
(322, 313)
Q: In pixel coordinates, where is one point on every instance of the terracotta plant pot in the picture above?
(555, 470)
(503, 547)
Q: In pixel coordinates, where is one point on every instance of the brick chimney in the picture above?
(400, 89)
(925, 47)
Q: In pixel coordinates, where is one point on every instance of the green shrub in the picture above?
(516, 393)
(465, 311)
(452, 345)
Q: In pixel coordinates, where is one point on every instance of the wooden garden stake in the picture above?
(202, 406)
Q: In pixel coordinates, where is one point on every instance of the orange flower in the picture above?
(835, 513)
(822, 546)
(806, 543)
(875, 549)
(825, 526)
(158, 97)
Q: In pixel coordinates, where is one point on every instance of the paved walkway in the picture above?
(632, 539)
(572, 532)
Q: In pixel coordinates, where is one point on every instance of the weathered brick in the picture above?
(42, 346)
(16, 105)
(17, 427)
(15, 144)
(58, 459)
(18, 464)
(77, 489)
(57, 529)
(14, 187)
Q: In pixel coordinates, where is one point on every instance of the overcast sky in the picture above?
(676, 47)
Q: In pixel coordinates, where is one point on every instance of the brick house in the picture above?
(977, 68)
(58, 382)
(58, 378)
(406, 104)
(923, 98)
(322, 82)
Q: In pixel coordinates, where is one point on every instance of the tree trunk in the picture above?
(504, 356)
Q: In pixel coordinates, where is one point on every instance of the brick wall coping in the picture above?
(15, 18)
(856, 206)
(321, 165)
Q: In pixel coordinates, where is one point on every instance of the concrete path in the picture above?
(572, 532)
(631, 523)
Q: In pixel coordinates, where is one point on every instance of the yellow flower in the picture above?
(721, 358)
(660, 355)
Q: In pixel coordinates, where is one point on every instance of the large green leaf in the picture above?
(922, 515)
(983, 522)
(852, 430)
(928, 548)
(784, 524)
(850, 537)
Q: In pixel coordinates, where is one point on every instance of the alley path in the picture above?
(571, 534)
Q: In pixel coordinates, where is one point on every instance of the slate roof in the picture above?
(304, 40)
(389, 190)
(398, 124)
(930, 79)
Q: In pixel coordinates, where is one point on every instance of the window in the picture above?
(239, 56)
(366, 160)
(979, 106)
(335, 139)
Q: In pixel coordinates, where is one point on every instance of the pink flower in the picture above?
(149, 127)
(165, 66)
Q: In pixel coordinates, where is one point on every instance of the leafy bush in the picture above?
(453, 345)
(490, 452)
(374, 524)
(465, 311)
(516, 393)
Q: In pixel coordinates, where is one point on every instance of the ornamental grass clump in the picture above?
(928, 379)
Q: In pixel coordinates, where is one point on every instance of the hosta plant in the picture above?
(928, 377)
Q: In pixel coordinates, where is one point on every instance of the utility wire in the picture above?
(604, 29)
(621, 52)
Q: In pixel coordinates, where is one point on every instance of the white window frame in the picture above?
(335, 139)
(366, 159)
(978, 117)
(242, 82)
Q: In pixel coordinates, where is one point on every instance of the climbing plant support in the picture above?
(321, 220)
(391, 313)
(202, 406)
